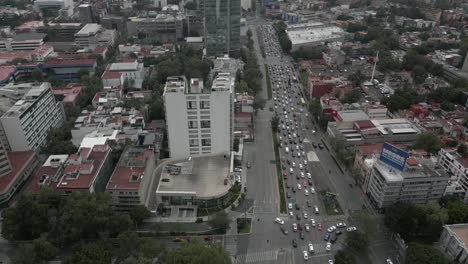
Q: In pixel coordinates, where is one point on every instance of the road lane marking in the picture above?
(258, 257)
(312, 156)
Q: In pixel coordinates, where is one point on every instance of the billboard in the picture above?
(393, 156)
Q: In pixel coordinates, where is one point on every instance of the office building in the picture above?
(26, 124)
(418, 180)
(130, 183)
(131, 71)
(88, 14)
(164, 27)
(453, 242)
(21, 42)
(199, 120)
(222, 27)
(53, 8)
(457, 167)
(114, 22)
(93, 35)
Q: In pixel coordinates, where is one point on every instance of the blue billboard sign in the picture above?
(393, 156)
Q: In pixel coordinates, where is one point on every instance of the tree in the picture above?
(462, 149)
(352, 96)
(315, 108)
(191, 5)
(139, 213)
(17, 61)
(220, 221)
(447, 106)
(421, 254)
(357, 77)
(90, 253)
(259, 103)
(344, 257)
(413, 222)
(357, 241)
(83, 72)
(196, 252)
(36, 74)
(429, 142)
(38, 251)
(419, 74)
(274, 123)
(457, 212)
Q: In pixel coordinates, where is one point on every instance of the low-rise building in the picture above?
(130, 184)
(93, 35)
(420, 180)
(202, 182)
(19, 167)
(131, 72)
(53, 8)
(26, 41)
(453, 242)
(313, 34)
(68, 93)
(26, 124)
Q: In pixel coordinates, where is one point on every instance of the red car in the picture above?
(207, 238)
(178, 239)
(287, 186)
(285, 175)
(299, 227)
(319, 226)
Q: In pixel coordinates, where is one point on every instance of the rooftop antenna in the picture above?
(373, 69)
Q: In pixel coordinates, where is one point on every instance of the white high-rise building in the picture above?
(26, 124)
(199, 120)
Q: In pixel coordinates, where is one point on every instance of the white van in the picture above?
(311, 248)
(287, 149)
(316, 210)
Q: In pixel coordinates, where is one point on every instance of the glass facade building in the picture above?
(222, 27)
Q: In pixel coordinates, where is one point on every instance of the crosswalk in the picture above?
(256, 257)
(231, 248)
(319, 248)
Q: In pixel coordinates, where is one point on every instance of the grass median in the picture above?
(279, 173)
(268, 83)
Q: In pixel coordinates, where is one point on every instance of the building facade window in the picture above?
(192, 124)
(206, 142)
(204, 104)
(193, 142)
(205, 124)
(191, 104)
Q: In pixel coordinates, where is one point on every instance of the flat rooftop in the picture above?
(461, 231)
(301, 35)
(202, 177)
(88, 30)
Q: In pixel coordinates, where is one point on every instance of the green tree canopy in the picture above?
(344, 257)
(38, 251)
(139, 213)
(357, 241)
(220, 221)
(423, 254)
(429, 142)
(197, 252)
(90, 253)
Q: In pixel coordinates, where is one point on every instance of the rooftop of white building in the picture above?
(28, 99)
(312, 32)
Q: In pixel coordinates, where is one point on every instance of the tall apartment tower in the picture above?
(199, 120)
(222, 27)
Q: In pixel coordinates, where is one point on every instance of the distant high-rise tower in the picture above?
(222, 27)
(88, 14)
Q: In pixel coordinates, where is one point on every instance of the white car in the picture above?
(330, 261)
(294, 164)
(305, 215)
(311, 248)
(313, 222)
(299, 155)
(328, 247)
(312, 190)
(309, 175)
(306, 192)
(291, 170)
(389, 261)
(291, 214)
(279, 221)
(299, 187)
(306, 256)
(331, 229)
(351, 229)
(294, 225)
(305, 162)
(300, 165)
(340, 225)
(307, 227)
(302, 175)
(290, 206)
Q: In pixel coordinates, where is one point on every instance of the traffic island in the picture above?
(243, 225)
(332, 206)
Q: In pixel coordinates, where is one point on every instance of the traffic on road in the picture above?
(311, 231)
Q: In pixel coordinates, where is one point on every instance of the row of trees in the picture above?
(250, 79)
(283, 38)
(421, 66)
(307, 53)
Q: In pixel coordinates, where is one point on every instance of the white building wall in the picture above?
(221, 122)
(177, 125)
(14, 134)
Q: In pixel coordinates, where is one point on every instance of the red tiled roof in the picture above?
(121, 178)
(6, 70)
(74, 61)
(369, 149)
(33, 186)
(84, 180)
(18, 160)
(100, 49)
(111, 75)
(363, 124)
